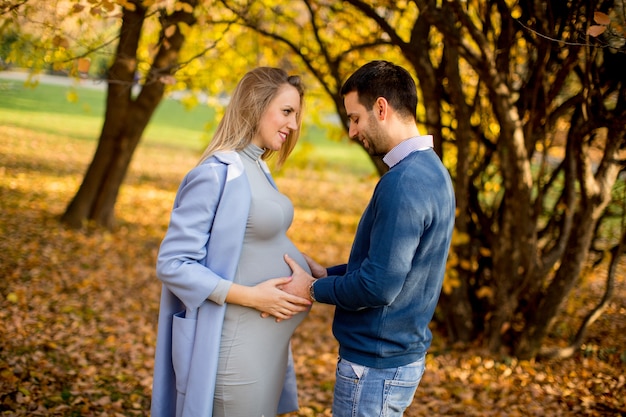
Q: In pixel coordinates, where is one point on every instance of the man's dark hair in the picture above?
(384, 79)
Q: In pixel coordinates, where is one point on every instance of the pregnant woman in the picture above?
(219, 262)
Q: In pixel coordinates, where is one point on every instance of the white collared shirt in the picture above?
(404, 148)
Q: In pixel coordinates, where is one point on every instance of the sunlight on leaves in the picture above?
(79, 309)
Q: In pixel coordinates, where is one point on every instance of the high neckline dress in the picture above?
(254, 351)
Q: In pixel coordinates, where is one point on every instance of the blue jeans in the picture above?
(371, 392)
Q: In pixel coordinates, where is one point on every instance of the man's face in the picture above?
(365, 126)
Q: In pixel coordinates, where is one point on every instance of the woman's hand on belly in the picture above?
(269, 298)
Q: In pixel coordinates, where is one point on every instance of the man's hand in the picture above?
(301, 281)
(297, 285)
(317, 270)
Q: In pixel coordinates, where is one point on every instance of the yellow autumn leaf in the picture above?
(486, 252)
(127, 5)
(596, 30)
(72, 96)
(601, 18)
(108, 5)
(169, 31)
(484, 292)
(185, 7)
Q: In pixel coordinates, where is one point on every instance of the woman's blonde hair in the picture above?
(251, 97)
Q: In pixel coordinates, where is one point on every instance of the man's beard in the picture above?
(376, 139)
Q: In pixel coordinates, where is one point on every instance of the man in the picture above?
(386, 295)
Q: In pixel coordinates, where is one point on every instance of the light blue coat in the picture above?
(201, 247)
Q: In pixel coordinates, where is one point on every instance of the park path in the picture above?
(22, 75)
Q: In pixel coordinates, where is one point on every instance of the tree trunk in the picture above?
(596, 312)
(125, 117)
(595, 196)
(95, 199)
(501, 86)
(460, 317)
(512, 228)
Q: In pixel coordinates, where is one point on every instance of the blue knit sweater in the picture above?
(387, 294)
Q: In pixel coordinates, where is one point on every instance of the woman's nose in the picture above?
(293, 123)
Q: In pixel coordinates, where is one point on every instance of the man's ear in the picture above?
(381, 108)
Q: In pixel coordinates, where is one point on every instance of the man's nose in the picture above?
(352, 131)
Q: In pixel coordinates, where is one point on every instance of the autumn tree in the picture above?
(528, 113)
(147, 43)
(126, 117)
(148, 48)
(525, 99)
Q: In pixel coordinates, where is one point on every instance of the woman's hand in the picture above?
(272, 300)
(269, 298)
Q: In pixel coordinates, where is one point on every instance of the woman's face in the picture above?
(279, 119)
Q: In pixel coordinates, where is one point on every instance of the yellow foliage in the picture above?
(450, 282)
(184, 28)
(108, 5)
(72, 96)
(516, 12)
(190, 100)
(460, 238)
(467, 264)
(485, 292)
(485, 252)
(78, 309)
(169, 31)
(183, 6)
(12, 298)
(494, 128)
(127, 5)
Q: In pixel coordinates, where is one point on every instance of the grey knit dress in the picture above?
(253, 350)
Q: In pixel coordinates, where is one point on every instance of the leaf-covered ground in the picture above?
(78, 309)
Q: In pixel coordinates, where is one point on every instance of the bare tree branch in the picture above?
(7, 7)
(579, 338)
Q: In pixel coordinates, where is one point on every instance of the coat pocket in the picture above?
(183, 336)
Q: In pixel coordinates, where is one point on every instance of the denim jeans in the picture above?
(371, 392)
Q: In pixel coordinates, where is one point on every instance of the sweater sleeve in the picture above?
(181, 259)
(336, 270)
(383, 250)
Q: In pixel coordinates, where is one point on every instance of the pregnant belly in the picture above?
(261, 262)
(244, 326)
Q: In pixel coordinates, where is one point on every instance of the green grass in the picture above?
(49, 108)
(77, 111)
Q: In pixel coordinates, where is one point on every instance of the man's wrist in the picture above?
(312, 291)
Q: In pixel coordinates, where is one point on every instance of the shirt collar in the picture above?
(404, 148)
